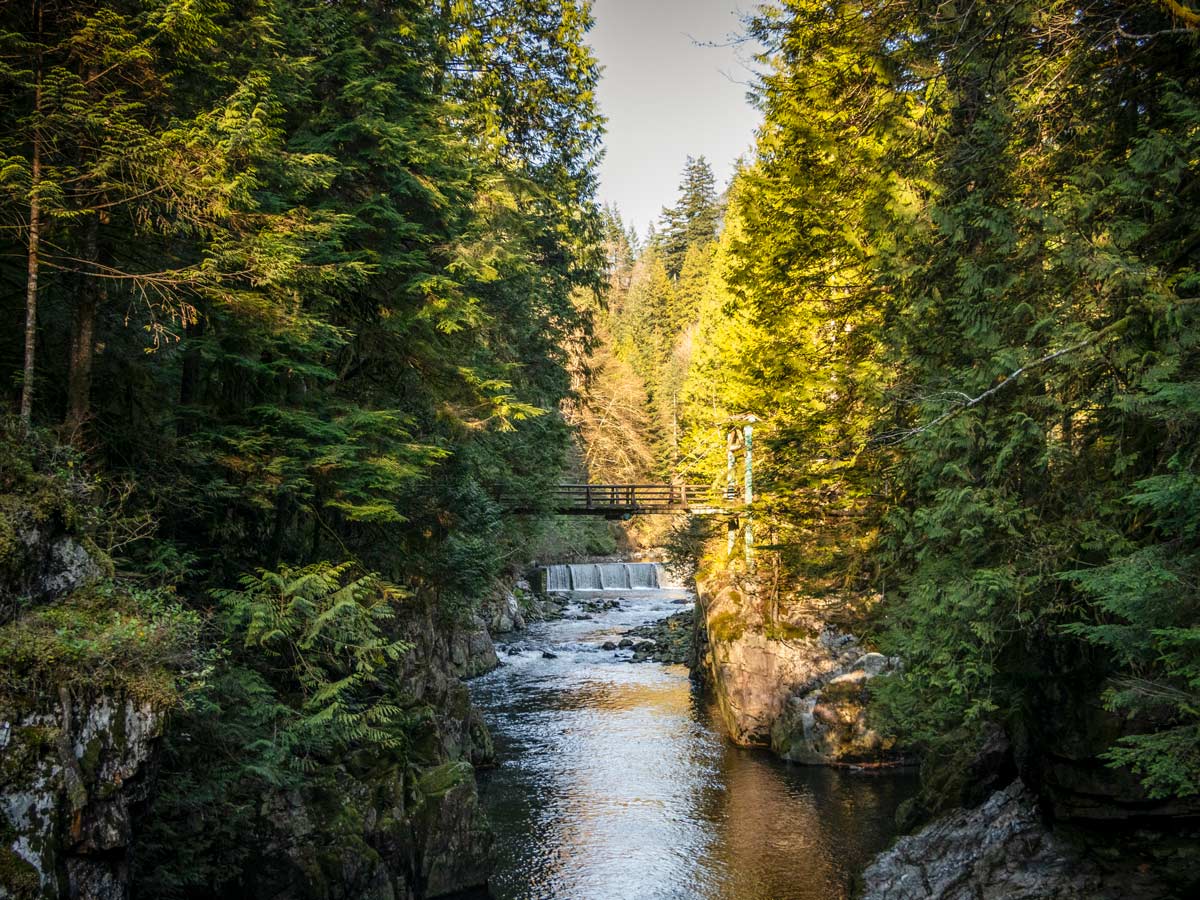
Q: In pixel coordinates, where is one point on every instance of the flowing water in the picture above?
(602, 576)
(614, 782)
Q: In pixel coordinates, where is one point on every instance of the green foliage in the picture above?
(957, 286)
(103, 637)
(1146, 604)
(325, 628)
(577, 537)
(1031, 517)
(693, 220)
(309, 284)
(308, 693)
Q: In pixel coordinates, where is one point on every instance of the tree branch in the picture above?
(895, 437)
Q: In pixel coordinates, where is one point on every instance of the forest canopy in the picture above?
(956, 284)
(298, 288)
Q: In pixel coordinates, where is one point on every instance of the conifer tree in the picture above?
(693, 219)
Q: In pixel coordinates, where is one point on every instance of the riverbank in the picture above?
(1037, 816)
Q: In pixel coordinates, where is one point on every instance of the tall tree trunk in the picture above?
(83, 340)
(35, 234)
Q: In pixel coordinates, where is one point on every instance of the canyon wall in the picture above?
(784, 677)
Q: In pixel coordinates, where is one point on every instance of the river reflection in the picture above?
(615, 784)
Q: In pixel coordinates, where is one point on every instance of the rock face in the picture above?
(71, 779)
(789, 681)
(504, 612)
(40, 558)
(397, 834)
(74, 766)
(513, 608)
(1000, 850)
(454, 843)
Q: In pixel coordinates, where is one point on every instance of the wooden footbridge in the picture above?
(623, 501)
(615, 501)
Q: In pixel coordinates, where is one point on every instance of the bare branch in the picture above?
(895, 437)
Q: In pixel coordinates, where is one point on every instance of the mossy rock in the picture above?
(18, 879)
(788, 631)
(439, 781)
(726, 626)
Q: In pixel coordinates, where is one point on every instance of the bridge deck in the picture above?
(632, 499)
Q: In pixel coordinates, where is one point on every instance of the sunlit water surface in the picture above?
(614, 782)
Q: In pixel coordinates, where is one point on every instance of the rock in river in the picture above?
(1000, 850)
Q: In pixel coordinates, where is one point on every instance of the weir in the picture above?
(602, 577)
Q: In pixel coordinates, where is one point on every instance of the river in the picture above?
(615, 782)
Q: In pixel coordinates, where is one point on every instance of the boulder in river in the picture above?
(1001, 850)
(827, 722)
(790, 680)
(546, 654)
(608, 645)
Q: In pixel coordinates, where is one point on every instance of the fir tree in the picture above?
(693, 219)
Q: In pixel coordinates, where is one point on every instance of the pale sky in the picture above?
(667, 98)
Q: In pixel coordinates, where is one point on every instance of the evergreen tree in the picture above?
(1039, 310)
(957, 291)
(124, 190)
(694, 219)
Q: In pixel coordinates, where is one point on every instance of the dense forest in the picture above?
(956, 285)
(297, 289)
(305, 296)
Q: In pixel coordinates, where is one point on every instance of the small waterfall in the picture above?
(558, 578)
(585, 577)
(602, 577)
(643, 575)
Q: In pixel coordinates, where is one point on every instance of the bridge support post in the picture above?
(748, 487)
(731, 464)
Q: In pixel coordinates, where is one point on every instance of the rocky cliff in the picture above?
(76, 747)
(77, 768)
(785, 678)
(72, 775)
(91, 674)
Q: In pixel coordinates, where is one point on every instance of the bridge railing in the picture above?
(631, 497)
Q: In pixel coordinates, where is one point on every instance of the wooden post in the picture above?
(748, 532)
(730, 464)
(748, 438)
